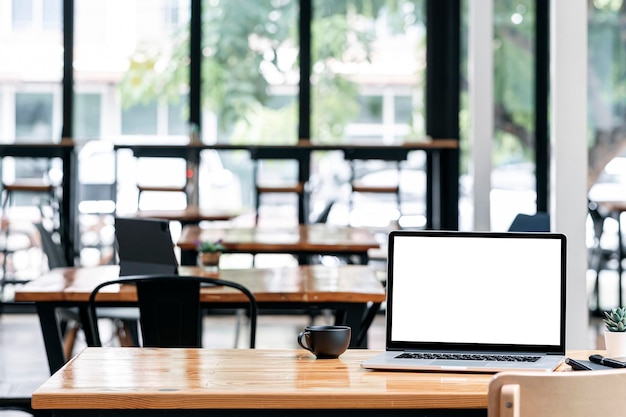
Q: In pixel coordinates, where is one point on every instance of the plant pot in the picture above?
(209, 261)
(615, 344)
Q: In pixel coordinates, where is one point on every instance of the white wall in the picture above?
(568, 123)
(480, 75)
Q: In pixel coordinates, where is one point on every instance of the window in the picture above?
(33, 116)
(37, 14)
(250, 69)
(140, 119)
(361, 55)
(177, 116)
(87, 112)
(22, 13)
(136, 55)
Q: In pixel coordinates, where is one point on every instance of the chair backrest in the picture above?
(170, 314)
(597, 217)
(322, 217)
(539, 222)
(54, 251)
(557, 394)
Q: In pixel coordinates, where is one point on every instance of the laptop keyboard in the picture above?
(469, 356)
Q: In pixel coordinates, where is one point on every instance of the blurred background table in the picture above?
(300, 241)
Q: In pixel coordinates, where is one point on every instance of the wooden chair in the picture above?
(557, 394)
(360, 168)
(170, 314)
(178, 180)
(46, 196)
(264, 187)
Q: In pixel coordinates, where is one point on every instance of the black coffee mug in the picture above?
(325, 342)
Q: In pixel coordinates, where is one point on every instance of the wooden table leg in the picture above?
(51, 332)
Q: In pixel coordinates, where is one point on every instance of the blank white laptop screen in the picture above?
(476, 290)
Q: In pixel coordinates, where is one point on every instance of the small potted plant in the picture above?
(209, 254)
(615, 334)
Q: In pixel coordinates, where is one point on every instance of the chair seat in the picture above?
(143, 188)
(29, 185)
(363, 188)
(297, 188)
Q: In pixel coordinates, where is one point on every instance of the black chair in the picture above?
(51, 248)
(170, 314)
(125, 319)
(600, 257)
(539, 222)
(22, 404)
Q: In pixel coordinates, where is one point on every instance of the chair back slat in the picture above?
(170, 313)
(169, 308)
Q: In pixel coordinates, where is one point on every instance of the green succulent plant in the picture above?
(208, 246)
(615, 321)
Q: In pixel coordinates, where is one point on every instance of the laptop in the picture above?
(474, 301)
(145, 247)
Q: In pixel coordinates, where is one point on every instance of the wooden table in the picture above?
(188, 215)
(301, 241)
(352, 291)
(132, 381)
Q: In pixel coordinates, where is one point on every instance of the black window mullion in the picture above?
(304, 116)
(68, 69)
(195, 64)
(443, 22)
(69, 202)
(542, 89)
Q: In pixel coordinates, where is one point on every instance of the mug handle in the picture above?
(300, 337)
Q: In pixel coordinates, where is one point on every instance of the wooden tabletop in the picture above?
(613, 206)
(45, 149)
(191, 214)
(313, 283)
(104, 378)
(312, 238)
(303, 144)
(135, 378)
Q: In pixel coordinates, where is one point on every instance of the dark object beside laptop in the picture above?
(144, 247)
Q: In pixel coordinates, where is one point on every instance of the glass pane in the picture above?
(33, 116)
(131, 63)
(22, 13)
(31, 70)
(365, 55)
(140, 119)
(135, 55)
(607, 99)
(513, 175)
(87, 110)
(177, 116)
(250, 71)
(52, 14)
